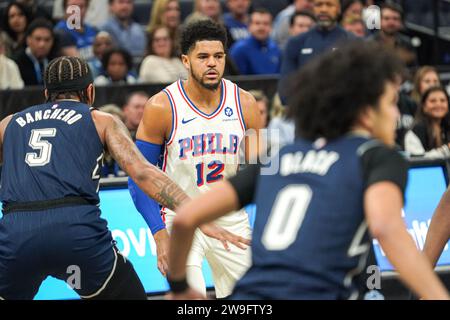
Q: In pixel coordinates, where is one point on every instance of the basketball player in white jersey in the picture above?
(201, 123)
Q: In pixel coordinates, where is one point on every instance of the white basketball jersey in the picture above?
(203, 149)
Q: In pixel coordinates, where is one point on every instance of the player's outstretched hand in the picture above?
(162, 250)
(224, 236)
(189, 294)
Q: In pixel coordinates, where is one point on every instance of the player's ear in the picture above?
(185, 60)
(91, 94)
(46, 94)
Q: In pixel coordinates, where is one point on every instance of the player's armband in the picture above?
(148, 208)
(244, 183)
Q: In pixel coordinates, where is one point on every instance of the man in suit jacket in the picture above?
(35, 58)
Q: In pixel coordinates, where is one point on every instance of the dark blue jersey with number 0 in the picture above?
(310, 237)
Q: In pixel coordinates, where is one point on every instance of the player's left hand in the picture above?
(189, 294)
(224, 236)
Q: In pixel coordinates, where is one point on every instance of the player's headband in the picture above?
(70, 85)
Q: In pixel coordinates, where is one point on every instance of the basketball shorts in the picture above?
(72, 244)
(227, 267)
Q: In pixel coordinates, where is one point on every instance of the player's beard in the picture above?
(208, 86)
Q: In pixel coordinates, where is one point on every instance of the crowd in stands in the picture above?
(121, 50)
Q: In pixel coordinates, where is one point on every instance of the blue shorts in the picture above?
(56, 242)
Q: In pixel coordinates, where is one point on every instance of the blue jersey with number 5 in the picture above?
(51, 151)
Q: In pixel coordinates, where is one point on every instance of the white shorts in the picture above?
(227, 267)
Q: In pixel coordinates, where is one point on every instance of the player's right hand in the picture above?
(162, 250)
(224, 236)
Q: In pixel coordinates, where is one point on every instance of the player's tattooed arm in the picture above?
(3, 124)
(170, 194)
(149, 178)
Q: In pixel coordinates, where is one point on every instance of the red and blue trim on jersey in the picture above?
(174, 117)
(171, 138)
(164, 165)
(223, 98)
(237, 97)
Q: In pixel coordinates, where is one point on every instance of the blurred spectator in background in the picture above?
(258, 54)
(236, 20)
(167, 13)
(425, 78)
(352, 8)
(263, 106)
(355, 25)
(117, 65)
(113, 109)
(126, 33)
(430, 135)
(408, 110)
(133, 110)
(323, 37)
(131, 115)
(204, 9)
(110, 167)
(97, 12)
(161, 65)
(9, 72)
(390, 36)
(15, 19)
(76, 40)
(103, 42)
(301, 22)
(281, 128)
(33, 60)
(36, 10)
(280, 31)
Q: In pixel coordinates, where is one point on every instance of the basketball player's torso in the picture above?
(51, 151)
(309, 215)
(204, 148)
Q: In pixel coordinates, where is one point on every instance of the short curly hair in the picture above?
(328, 95)
(200, 31)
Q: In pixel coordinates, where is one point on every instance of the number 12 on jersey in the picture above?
(215, 172)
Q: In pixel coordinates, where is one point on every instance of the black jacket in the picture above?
(26, 68)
